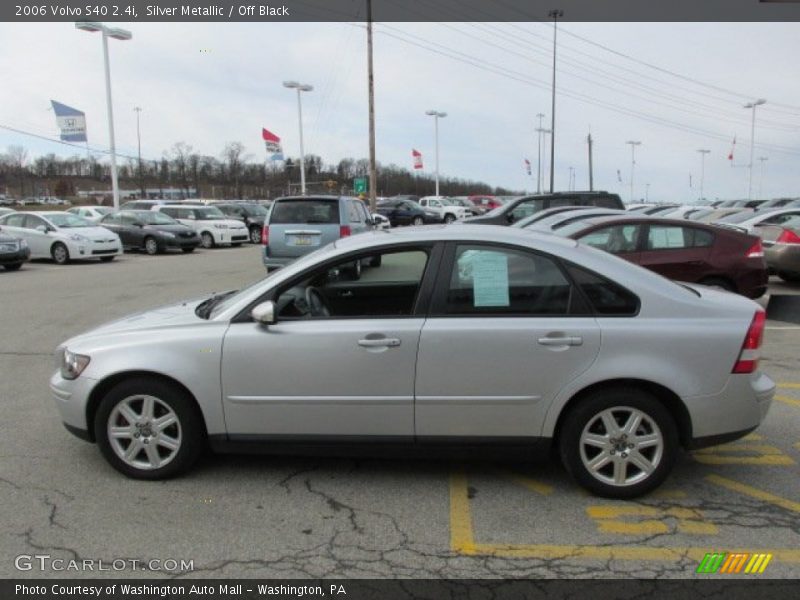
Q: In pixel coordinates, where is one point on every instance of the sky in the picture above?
(675, 87)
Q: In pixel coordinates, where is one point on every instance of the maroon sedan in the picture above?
(681, 250)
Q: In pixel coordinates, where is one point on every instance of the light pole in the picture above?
(300, 87)
(633, 145)
(647, 192)
(703, 153)
(554, 14)
(752, 105)
(539, 131)
(436, 116)
(138, 111)
(762, 159)
(571, 173)
(117, 34)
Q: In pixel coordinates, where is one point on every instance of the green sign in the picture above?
(360, 185)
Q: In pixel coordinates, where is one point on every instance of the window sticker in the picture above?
(490, 279)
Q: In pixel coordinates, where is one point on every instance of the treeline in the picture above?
(233, 174)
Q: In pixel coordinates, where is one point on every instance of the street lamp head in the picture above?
(436, 113)
(632, 143)
(291, 84)
(119, 34)
(758, 102)
(305, 88)
(92, 26)
(430, 113)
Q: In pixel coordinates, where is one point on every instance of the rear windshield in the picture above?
(305, 211)
(737, 217)
(209, 213)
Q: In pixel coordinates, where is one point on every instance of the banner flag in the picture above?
(417, 156)
(528, 166)
(273, 144)
(70, 121)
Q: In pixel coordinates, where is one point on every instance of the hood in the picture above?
(230, 223)
(178, 228)
(93, 233)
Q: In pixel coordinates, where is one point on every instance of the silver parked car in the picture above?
(614, 365)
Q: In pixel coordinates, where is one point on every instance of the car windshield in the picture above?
(255, 209)
(738, 217)
(103, 210)
(700, 214)
(208, 214)
(497, 211)
(68, 220)
(149, 217)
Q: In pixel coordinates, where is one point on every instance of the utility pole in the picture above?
(761, 159)
(138, 110)
(539, 159)
(647, 192)
(436, 116)
(571, 173)
(752, 105)
(703, 153)
(591, 172)
(373, 178)
(542, 159)
(633, 145)
(554, 14)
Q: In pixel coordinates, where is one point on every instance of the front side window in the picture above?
(488, 280)
(616, 239)
(388, 286)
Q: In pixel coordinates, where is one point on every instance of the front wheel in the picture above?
(151, 246)
(148, 429)
(449, 218)
(60, 253)
(417, 221)
(14, 267)
(206, 240)
(619, 443)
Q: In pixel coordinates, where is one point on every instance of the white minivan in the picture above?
(210, 223)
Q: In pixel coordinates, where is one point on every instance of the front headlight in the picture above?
(72, 365)
(220, 226)
(23, 243)
(167, 234)
(75, 237)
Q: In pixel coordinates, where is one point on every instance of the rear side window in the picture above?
(305, 211)
(606, 297)
(616, 239)
(668, 237)
(355, 216)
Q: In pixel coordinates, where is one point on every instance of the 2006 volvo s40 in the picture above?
(616, 366)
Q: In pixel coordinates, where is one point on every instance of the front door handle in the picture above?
(561, 341)
(379, 343)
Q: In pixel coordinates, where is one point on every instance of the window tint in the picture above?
(606, 297)
(32, 222)
(355, 217)
(606, 202)
(526, 209)
(497, 281)
(667, 237)
(305, 211)
(388, 287)
(615, 239)
(113, 219)
(778, 219)
(14, 220)
(172, 212)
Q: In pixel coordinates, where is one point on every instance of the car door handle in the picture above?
(561, 341)
(379, 343)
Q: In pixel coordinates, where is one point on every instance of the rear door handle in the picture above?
(561, 341)
(379, 343)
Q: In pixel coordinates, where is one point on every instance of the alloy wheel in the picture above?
(144, 432)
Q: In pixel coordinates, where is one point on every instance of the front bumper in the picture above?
(94, 249)
(182, 242)
(71, 398)
(15, 257)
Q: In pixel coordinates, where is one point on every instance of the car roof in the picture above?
(625, 218)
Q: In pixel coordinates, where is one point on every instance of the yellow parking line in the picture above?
(461, 537)
(787, 400)
(789, 385)
(753, 437)
(532, 484)
(753, 492)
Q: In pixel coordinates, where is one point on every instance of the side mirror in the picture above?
(42, 228)
(138, 224)
(264, 313)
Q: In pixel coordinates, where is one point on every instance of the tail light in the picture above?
(344, 230)
(756, 250)
(788, 237)
(748, 357)
(265, 235)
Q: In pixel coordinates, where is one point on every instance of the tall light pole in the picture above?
(553, 14)
(761, 159)
(539, 130)
(300, 87)
(647, 192)
(542, 142)
(703, 153)
(117, 34)
(436, 116)
(752, 105)
(373, 177)
(633, 145)
(138, 111)
(571, 174)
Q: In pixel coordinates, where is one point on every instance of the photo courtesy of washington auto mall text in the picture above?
(399, 299)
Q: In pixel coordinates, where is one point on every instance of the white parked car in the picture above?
(748, 221)
(91, 213)
(62, 236)
(380, 221)
(448, 210)
(210, 223)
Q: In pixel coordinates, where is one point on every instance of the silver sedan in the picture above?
(476, 335)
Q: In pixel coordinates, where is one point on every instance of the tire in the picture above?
(720, 283)
(185, 436)
(207, 240)
(255, 235)
(187, 250)
(14, 267)
(448, 218)
(375, 261)
(107, 258)
(150, 246)
(789, 277)
(417, 221)
(59, 253)
(585, 421)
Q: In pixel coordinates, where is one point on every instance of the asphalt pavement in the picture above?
(241, 516)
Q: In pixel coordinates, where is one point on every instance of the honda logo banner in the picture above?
(71, 122)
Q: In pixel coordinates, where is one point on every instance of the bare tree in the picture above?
(233, 156)
(180, 155)
(18, 158)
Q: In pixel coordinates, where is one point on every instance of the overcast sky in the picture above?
(208, 84)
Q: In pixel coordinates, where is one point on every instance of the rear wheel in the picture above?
(789, 277)
(619, 442)
(148, 429)
(417, 221)
(151, 246)
(60, 253)
(206, 240)
(255, 235)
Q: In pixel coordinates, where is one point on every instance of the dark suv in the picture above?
(525, 206)
(252, 214)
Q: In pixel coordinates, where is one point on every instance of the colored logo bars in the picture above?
(733, 563)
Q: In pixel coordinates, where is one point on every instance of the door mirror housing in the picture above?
(42, 228)
(264, 313)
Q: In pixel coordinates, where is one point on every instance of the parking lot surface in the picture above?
(263, 516)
